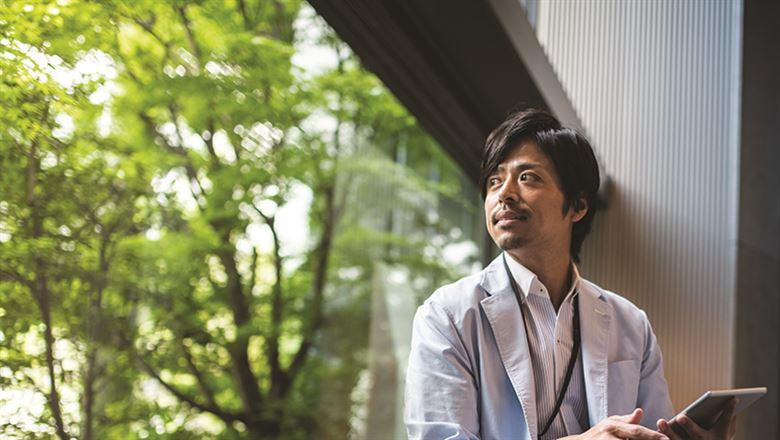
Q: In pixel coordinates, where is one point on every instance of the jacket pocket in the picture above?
(622, 386)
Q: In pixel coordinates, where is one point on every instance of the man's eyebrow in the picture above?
(521, 167)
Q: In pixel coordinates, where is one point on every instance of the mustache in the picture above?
(510, 212)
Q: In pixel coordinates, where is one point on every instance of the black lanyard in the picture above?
(574, 351)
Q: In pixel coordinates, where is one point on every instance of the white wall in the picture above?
(656, 84)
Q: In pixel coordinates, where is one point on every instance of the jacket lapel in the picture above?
(503, 313)
(595, 317)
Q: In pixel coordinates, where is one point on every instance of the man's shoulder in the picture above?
(463, 297)
(621, 306)
(459, 297)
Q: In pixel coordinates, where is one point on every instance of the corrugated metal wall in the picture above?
(656, 84)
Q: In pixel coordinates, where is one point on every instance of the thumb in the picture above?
(633, 418)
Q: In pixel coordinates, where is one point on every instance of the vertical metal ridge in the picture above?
(654, 84)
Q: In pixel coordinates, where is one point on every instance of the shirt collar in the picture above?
(529, 283)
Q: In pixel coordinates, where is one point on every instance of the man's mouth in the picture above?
(506, 217)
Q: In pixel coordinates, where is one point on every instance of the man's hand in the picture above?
(723, 429)
(620, 427)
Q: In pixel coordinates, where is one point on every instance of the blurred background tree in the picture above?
(194, 216)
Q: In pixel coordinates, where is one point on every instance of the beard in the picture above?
(511, 237)
(511, 242)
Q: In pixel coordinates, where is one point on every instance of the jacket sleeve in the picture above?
(653, 395)
(441, 392)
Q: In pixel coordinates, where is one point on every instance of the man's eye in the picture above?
(493, 181)
(529, 177)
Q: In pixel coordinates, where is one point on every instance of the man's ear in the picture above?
(580, 208)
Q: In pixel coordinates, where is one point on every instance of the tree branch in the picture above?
(332, 213)
(278, 22)
(226, 416)
(253, 271)
(149, 28)
(272, 342)
(39, 288)
(318, 293)
(199, 378)
(194, 48)
(198, 54)
(210, 142)
(125, 60)
(248, 388)
(233, 139)
(93, 367)
(180, 150)
(320, 274)
(192, 174)
(8, 275)
(245, 15)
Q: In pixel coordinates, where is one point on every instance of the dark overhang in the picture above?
(459, 65)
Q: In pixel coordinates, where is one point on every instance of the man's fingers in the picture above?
(726, 424)
(636, 416)
(691, 427)
(627, 426)
(633, 418)
(666, 429)
(724, 427)
(636, 432)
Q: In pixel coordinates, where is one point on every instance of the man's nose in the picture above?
(509, 191)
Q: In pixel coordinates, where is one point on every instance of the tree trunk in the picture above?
(93, 331)
(249, 390)
(40, 290)
(265, 430)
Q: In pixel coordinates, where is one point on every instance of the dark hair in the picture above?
(571, 155)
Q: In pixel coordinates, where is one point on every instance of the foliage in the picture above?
(156, 160)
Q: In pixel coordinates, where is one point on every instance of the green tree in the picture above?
(69, 197)
(152, 228)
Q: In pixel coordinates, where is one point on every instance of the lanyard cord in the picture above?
(574, 351)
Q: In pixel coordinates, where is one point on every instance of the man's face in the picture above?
(524, 203)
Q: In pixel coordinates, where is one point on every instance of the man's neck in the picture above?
(554, 272)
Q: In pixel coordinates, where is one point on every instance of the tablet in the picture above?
(706, 410)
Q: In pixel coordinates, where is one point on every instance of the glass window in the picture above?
(213, 223)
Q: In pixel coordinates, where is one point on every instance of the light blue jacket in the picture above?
(469, 373)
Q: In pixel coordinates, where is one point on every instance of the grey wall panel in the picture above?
(757, 348)
(656, 85)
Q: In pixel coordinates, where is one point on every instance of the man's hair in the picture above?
(569, 151)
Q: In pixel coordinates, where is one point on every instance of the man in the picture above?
(527, 348)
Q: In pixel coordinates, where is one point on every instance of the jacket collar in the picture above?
(502, 311)
(595, 319)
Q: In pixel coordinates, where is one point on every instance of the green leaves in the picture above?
(203, 215)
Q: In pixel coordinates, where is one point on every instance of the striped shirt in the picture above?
(550, 339)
